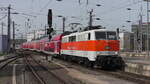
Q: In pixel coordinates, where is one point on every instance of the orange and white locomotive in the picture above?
(93, 47)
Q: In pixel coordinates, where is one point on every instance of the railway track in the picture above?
(31, 63)
(8, 60)
(139, 79)
(127, 76)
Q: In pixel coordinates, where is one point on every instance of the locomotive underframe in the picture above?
(104, 62)
(110, 62)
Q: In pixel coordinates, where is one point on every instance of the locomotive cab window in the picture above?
(106, 35)
(111, 36)
(100, 35)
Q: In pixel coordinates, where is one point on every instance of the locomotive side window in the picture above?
(79, 38)
(89, 36)
(106, 35)
(64, 40)
(84, 37)
(100, 35)
(72, 38)
(111, 36)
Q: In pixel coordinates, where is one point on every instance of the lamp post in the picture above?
(91, 16)
(14, 33)
(13, 36)
(8, 31)
(2, 25)
(147, 26)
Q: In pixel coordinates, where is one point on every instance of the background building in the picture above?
(35, 35)
(3, 43)
(140, 34)
(126, 41)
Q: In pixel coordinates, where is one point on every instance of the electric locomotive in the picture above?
(99, 47)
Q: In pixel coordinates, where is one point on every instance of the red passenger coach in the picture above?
(42, 43)
(55, 44)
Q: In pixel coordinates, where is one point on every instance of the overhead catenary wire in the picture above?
(119, 8)
(122, 7)
(3, 17)
(46, 5)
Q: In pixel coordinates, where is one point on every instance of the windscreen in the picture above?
(100, 35)
(105, 35)
(111, 36)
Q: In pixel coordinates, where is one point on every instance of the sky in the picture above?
(112, 13)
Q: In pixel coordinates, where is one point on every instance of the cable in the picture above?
(3, 17)
(46, 5)
(112, 10)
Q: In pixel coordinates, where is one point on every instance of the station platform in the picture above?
(139, 60)
(1, 57)
(138, 65)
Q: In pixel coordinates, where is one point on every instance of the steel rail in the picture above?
(8, 58)
(62, 81)
(9, 61)
(34, 72)
(127, 76)
(118, 74)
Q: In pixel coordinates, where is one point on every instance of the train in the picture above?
(97, 47)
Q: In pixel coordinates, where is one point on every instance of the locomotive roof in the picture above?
(89, 31)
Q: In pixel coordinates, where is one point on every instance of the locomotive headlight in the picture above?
(107, 47)
(116, 52)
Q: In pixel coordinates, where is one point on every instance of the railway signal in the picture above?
(50, 18)
(50, 29)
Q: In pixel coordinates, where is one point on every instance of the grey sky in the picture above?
(113, 13)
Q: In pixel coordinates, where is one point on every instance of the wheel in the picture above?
(88, 63)
(85, 63)
(91, 64)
